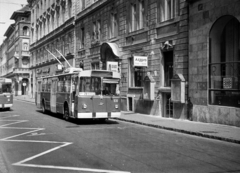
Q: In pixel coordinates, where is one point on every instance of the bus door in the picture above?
(53, 97)
(39, 90)
(99, 102)
(74, 83)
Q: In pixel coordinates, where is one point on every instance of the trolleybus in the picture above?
(88, 94)
(6, 95)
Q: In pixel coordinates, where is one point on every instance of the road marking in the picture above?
(34, 131)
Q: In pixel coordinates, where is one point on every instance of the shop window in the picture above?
(224, 64)
(167, 9)
(136, 75)
(168, 68)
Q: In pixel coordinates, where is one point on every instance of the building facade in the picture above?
(15, 52)
(52, 35)
(214, 61)
(146, 40)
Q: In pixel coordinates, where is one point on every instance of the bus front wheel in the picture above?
(66, 113)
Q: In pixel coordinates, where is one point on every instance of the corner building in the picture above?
(15, 61)
(214, 61)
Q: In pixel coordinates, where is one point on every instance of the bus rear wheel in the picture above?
(66, 113)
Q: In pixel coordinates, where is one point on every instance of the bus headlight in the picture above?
(116, 106)
(84, 106)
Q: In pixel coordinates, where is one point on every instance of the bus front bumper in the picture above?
(5, 105)
(87, 115)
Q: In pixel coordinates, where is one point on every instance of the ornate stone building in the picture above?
(214, 61)
(15, 52)
(146, 40)
(52, 31)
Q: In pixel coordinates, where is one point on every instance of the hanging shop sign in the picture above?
(140, 61)
(112, 66)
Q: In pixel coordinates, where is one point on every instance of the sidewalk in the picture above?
(208, 130)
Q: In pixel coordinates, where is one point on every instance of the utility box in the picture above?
(178, 84)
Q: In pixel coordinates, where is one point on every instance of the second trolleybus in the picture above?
(80, 94)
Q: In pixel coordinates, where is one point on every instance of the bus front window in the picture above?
(90, 85)
(5, 88)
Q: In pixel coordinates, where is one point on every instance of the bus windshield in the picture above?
(5, 88)
(94, 86)
(90, 85)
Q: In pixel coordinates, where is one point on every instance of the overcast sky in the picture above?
(7, 7)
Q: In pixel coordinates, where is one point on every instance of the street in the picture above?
(33, 142)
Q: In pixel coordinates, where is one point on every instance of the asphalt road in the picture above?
(32, 142)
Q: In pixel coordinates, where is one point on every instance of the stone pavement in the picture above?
(208, 130)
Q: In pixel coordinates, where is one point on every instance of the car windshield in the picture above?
(5, 88)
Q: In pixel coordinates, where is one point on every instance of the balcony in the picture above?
(21, 70)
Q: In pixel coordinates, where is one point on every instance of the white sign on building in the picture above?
(140, 61)
(112, 66)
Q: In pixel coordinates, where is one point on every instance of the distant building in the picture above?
(214, 61)
(15, 52)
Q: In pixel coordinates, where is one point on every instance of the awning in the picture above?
(113, 47)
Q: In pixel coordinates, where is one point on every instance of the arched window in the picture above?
(25, 31)
(224, 62)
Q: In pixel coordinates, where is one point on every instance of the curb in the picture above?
(182, 131)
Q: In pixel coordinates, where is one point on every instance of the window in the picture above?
(58, 16)
(168, 68)
(98, 36)
(25, 46)
(53, 22)
(95, 65)
(83, 4)
(134, 24)
(25, 31)
(167, 9)
(69, 8)
(141, 14)
(82, 38)
(224, 64)
(90, 84)
(96, 30)
(114, 25)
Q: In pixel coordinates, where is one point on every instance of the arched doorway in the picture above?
(24, 86)
(224, 62)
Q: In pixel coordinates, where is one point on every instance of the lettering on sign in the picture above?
(140, 61)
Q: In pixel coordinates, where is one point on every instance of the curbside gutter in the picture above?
(182, 131)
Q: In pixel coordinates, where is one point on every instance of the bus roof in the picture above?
(88, 73)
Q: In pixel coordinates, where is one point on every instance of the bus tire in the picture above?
(43, 107)
(66, 112)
